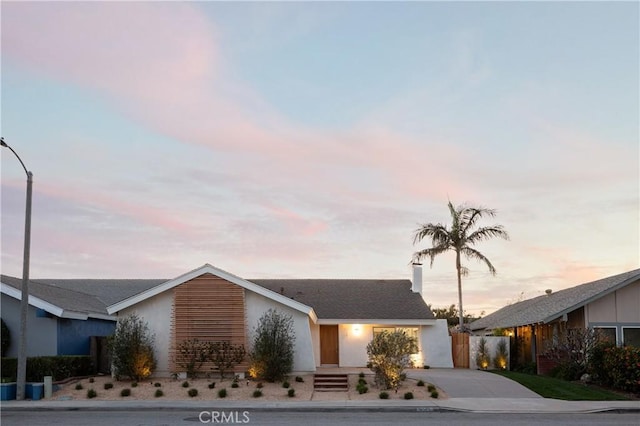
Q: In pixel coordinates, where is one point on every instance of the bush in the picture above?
(185, 384)
(193, 392)
(434, 394)
(125, 392)
(389, 354)
(408, 395)
(158, 393)
(235, 385)
(361, 375)
(500, 360)
(431, 388)
(383, 395)
(157, 384)
(131, 348)
(285, 384)
(257, 393)
(191, 354)
(134, 384)
(426, 367)
(91, 393)
(108, 385)
(272, 353)
(79, 386)
(622, 368)
(595, 365)
(361, 388)
(420, 383)
(5, 338)
(362, 382)
(212, 385)
(222, 393)
(291, 393)
(59, 367)
(225, 356)
(260, 385)
(299, 379)
(482, 356)
(91, 380)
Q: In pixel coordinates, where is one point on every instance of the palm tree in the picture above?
(460, 239)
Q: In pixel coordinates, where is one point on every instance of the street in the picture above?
(171, 418)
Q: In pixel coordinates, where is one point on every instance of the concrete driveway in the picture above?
(466, 383)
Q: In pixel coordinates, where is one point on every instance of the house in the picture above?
(611, 305)
(334, 320)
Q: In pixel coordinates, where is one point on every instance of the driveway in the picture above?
(466, 383)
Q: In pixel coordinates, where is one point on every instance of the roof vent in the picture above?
(548, 291)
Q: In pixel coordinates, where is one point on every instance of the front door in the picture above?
(329, 344)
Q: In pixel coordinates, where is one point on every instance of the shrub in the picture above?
(108, 385)
(420, 383)
(225, 356)
(5, 338)
(285, 384)
(431, 388)
(185, 384)
(131, 348)
(157, 384)
(389, 354)
(260, 385)
(272, 353)
(434, 394)
(622, 368)
(235, 385)
(193, 392)
(595, 365)
(158, 393)
(91, 380)
(362, 382)
(426, 367)
(482, 356)
(91, 393)
(257, 393)
(59, 367)
(383, 395)
(572, 350)
(212, 385)
(134, 384)
(299, 379)
(362, 389)
(291, 392)
(408, 395)
(191, 354)
(500, 360)
(79, 386)
(125, 392)
(222, 393)
(361, 375)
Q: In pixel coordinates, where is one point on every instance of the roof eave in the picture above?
(394, 321)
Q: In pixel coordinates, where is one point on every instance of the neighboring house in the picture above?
(610, 304)
(333, 320)
(60, 321)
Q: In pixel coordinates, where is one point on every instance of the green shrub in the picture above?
(235, 385)
(212, 385)
(420, 383)
(622, 368)
(224, 356)
(596, 366)
(191, 354)
(91, 380)
(361, 375)
(193, 392)
(500, 360)
(131, 348)
(362, 388)
(431, 388)
(260, 385)
(134, 384)
(91, 393)
(291, 392)
(273, 346)
(125, 392)
(108, 385)
(299, 379)
(483, 359)
(185, 384)
(285, 384)
(59, 367)
(426, 367)
(389, 354)
(79, 386)
(222, 393)
(158, 393)
(257, 393)
(157, 384)
(434, 394)
(384, 395)
(408, 395)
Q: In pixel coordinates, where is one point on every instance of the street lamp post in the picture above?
(24, 301)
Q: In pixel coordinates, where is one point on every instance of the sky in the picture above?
(310, 140)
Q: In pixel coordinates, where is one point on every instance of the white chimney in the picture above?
(416, 283)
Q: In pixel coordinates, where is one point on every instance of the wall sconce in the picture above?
(356, 329)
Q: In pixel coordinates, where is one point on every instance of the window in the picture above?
(631, 336)
(608, 334)
(378, 330)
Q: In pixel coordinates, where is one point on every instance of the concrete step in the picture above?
(330, 382)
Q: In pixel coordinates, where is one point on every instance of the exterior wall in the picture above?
(315, 339)
(492, 347)
(628, 303)
(74, 335)
(352, 344)
(435, 345)
(603, 309)
(42, 331)
(156, 311)
(304, 358)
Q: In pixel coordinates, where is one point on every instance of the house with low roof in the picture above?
(334, 319)
(610, 304)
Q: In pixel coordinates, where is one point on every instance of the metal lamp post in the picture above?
(24, 301)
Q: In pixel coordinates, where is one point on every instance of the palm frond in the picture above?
(438, 233)
(431, 253)
(472, 214)
(471, 253)
(486, 233)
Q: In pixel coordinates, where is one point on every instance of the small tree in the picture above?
(272, 351)
(483, 358)
(191, 354)
(571, 349)
(225, 356)
(6, 337)
(500, 360)
(389, 354)
(131, 348)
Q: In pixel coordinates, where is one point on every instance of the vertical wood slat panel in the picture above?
(208, 308)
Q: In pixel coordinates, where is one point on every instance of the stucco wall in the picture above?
(491, 345)
(436, 345)
(156, 311)
(352, 344)
(42, 333)
(315, 339)
(257, 305)
(620, 306)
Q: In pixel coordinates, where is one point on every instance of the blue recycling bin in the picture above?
(34, 391)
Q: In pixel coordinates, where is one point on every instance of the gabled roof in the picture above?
(544, 309)
(364, 300)
(63, 303)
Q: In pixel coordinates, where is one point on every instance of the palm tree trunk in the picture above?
(460, 312)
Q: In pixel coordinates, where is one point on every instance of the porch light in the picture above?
(356, 329)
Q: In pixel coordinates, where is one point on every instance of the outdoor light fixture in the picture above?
(24, 300)
(357, 329)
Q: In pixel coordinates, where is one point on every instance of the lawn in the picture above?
(550, 387)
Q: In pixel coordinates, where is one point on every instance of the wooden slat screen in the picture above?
(208, 308)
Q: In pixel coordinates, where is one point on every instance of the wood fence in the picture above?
(460, 350)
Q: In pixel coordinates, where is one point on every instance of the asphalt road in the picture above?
(190, 418)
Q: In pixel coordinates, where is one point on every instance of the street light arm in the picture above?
(4, 144)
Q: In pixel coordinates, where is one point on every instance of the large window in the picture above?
(607, 333)
(631, 336)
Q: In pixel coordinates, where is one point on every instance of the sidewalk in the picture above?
(474, 405)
